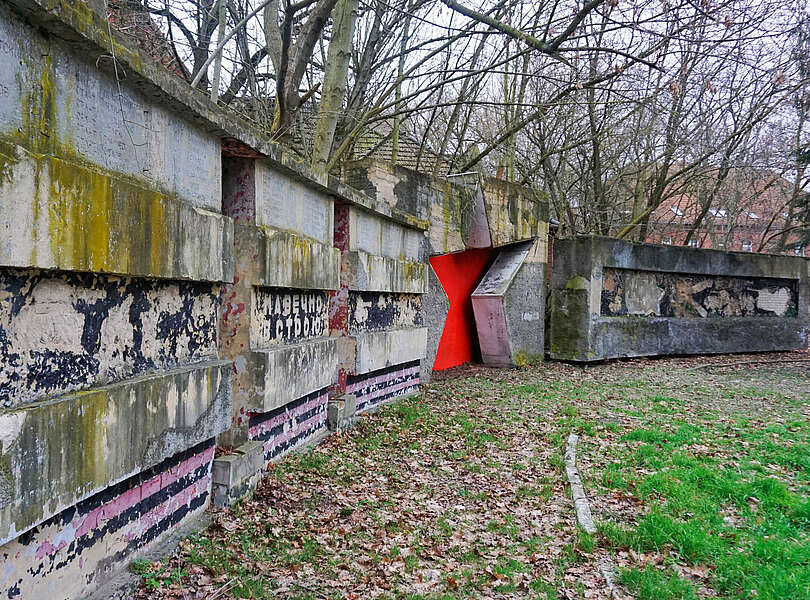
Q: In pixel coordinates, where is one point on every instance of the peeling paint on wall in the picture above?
(60, 333)
(373, 311)
(628, 292)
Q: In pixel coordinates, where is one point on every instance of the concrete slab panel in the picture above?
(283, 316)
(366, 272)
(287, 204)
(63, 332)
(291, 372)
(381, 349)
(60, 451)
(55, 103)
(75, 218)
(287, 260)
(513, 213)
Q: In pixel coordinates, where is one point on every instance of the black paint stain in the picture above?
(49, 371)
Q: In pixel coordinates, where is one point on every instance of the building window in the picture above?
(748, 246)
(718, 213)
(799, 250)
(667, 241)
(693, 243)
(678, 212)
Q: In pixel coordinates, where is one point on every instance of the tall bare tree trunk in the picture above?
(334, 84)
(400, 72)
(223, 17)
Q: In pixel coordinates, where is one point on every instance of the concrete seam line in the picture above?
(583, 510)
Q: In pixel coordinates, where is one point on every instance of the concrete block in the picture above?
(375, 388)
(509, 307)
(287, 260)
(376, 235)
(366, 272)
(284, 203)
(340, 412)
(513, 213)
(235, 476)
(378, 311)
(612, 298)
(84, 547)
(58, 452)
(71, 331)
(53, 102)
(75, 218)
(291, 372)
(380, 349)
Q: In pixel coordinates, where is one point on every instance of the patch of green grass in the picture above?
(748, 524)
(156, 574)
(653, 584)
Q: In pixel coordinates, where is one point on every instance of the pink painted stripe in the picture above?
(382, 378)
(168, 507)
(292, 432)
(131, 497)
(388, 390)
(186, 467)
(259, 429)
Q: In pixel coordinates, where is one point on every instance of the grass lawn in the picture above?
(698, 479)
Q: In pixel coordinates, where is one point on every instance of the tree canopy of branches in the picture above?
(606, 108)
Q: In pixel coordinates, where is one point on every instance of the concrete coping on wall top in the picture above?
(88, 34)
(600, 251)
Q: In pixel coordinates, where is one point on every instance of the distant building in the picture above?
(749, 214)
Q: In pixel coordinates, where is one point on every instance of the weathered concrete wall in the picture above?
(454, 208)
(56, 103)
(64, 332)
(170, 280)
(85, 545)
(612, 298)
(289, 205)
(275, 318)
(59, 452)
(513, 214)
(112, 255)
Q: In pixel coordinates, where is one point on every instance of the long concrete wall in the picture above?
(612, 298)
(172, 282)
(113, 253)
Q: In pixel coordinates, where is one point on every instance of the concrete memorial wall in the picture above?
(113, 252)
(275, 316)
(612, 298)
(379, 309)
(170, 282)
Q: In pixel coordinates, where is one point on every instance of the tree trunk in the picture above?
(334, 84)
